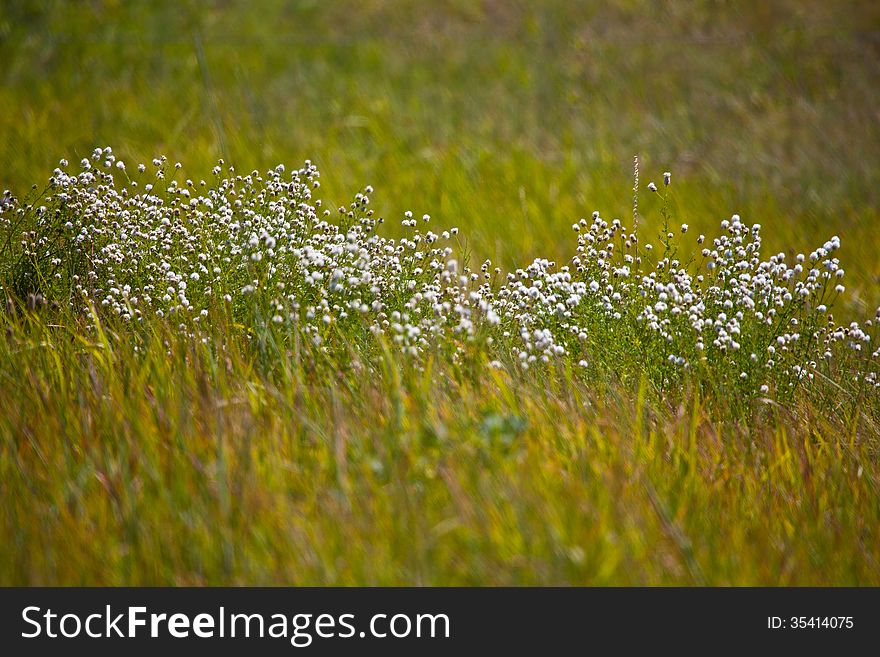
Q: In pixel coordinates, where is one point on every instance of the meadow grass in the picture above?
(209, 456)
(127, 468)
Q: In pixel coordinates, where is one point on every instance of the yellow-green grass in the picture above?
(185, 468)
(510, 120)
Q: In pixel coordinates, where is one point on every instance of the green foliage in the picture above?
(173, 462)
(238, 450)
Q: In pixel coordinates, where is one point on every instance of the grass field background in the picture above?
(510, 120)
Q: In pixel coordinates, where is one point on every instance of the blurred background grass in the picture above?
(510, 119)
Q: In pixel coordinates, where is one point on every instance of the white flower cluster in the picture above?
(260, 249)
(255, 245)
(761, 322)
